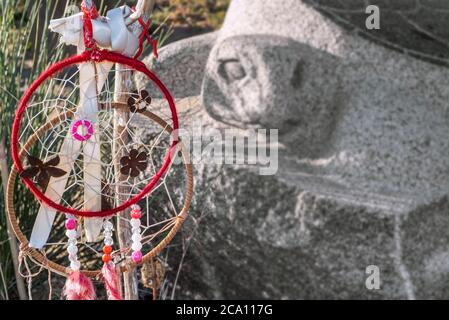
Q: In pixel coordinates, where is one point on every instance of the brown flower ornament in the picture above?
(133, 164)
(42, 171)
(138, 102)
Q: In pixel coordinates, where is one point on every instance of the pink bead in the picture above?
(70, 224)
(82, 123)
(136, 214)
(137, 256)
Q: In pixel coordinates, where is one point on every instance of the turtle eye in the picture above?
(231, 70)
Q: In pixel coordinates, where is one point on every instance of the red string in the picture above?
(102, 55)
(145, 35)
(89, 14)
(92, 12)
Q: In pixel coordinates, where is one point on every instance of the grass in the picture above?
(205, 14)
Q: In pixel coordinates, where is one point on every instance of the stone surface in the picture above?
(363, 164)
(188, 57)
(415, 27)
(261, 237)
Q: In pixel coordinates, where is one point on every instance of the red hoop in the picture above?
(96, 56)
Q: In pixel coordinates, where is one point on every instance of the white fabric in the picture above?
(69, 28)
(122, 39)
(110, 33)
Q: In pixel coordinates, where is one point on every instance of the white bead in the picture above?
(75, 265)
(72, 241)
(135, 230)
(107, 225)
(71, 234)
(136, 237)
(135, 223)
(136, 207)
(108, 242)
(71, 249)
(136, 246)
(107, 234)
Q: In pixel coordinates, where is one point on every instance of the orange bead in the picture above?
(107, 249)
(106, 258)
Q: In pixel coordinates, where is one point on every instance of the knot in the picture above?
(24, 250)
(90, 11)
(96, 55)
(183, 216)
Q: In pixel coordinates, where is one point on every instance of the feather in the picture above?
(79, 287)
(111, 279)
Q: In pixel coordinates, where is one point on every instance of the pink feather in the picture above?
(79, 287)
(111, 281)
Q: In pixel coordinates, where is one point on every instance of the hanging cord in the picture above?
(155, 280)
(50, 286)
(145, 35)
(23, 255)
(90, 13)
(49, 278)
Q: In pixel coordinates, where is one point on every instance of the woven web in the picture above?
(60, 96)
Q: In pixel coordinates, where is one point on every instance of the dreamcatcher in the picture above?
(91, 145)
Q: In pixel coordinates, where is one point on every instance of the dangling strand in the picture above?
(108, 228)
(72, 249)
(78, 286)
(110, 276)
(136, 238)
